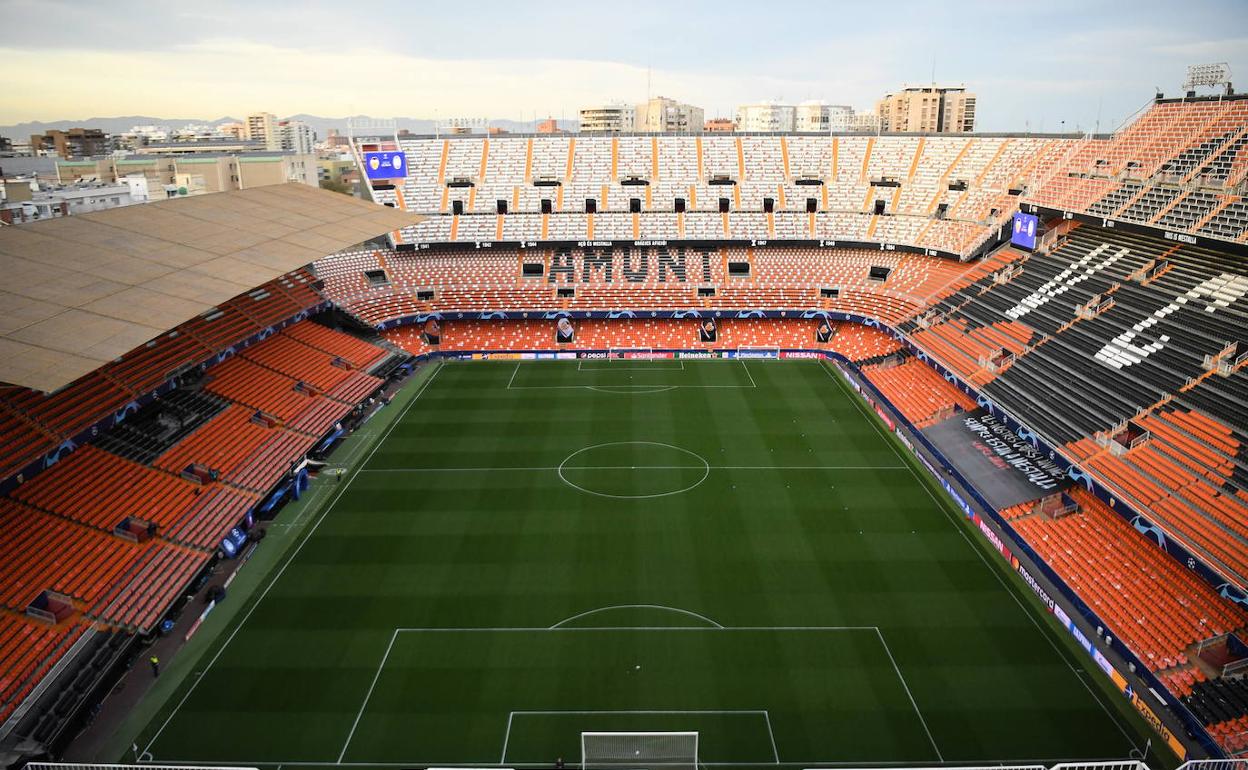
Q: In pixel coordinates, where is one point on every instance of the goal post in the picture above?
(639, 751)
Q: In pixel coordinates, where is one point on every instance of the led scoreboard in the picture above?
(1026, 227)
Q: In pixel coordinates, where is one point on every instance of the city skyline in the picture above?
(1080, 65)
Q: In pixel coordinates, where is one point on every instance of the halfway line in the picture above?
(643, 468)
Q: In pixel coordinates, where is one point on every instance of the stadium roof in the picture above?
(77, 292)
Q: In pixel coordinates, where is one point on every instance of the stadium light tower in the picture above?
(1208, 75)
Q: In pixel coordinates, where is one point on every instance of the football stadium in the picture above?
(857, 449)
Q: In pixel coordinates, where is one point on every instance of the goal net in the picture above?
(639, 751)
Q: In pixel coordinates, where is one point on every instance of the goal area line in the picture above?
(511, 718)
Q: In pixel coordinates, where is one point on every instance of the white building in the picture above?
(815, 117)
(613, 118)
(296, 137)
(262, 127)
(63, 201)
(662, 115)
(864, 121)
(810, 117)
(766, 117)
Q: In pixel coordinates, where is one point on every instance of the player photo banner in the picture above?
(707, 330)
(565, 333)
(432, 332)
(823, 332)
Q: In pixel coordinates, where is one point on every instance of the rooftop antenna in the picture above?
(933, 70)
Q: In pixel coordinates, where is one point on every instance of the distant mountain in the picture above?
(321, 125)
(115, 125)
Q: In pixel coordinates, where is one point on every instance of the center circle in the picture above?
(633, 470)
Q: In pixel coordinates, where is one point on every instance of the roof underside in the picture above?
(77, 292)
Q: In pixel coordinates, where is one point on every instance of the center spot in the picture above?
(634, 469)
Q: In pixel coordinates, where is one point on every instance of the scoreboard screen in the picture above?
(1026, 227)
(385, 165)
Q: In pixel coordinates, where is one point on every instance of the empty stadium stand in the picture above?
(111, 534)
(35, 424)
(1155, 605)
(939, 192)
(1179, 166)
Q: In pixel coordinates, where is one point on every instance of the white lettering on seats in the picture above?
(1078, 272)
(1219, 292)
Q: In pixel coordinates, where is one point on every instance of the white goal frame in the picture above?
(642, 762)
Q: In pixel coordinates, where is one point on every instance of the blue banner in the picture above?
(385, 165)
(1026, 227)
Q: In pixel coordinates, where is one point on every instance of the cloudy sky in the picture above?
(1034, 65)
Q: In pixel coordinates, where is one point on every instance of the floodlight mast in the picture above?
(1207, 75)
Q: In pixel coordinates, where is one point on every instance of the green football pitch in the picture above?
(534, 550)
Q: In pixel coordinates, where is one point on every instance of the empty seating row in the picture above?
(1152, 603)
(917, 390)
(28, 649)
(854, 341)
(37, 423)
(1178, 166)
(40, 552)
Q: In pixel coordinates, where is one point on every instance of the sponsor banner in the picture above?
(758, 354)
(647, 355)
(528, 356)
(1155, 722)
(1083, 641)
(565, 356)
(1044, 597)
(966, 509)
(992, 536)
(503, 356)
(385, 165)
(1103, 663)
(697, 354)
(596, 355)
(801, 354)
(902, 438)
(1062, 617)
(852, 382)
(887, 420)
(546, 356)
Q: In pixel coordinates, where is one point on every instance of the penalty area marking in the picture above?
(663, 607)
(630, 389)
(560, 628)
(629, 368)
